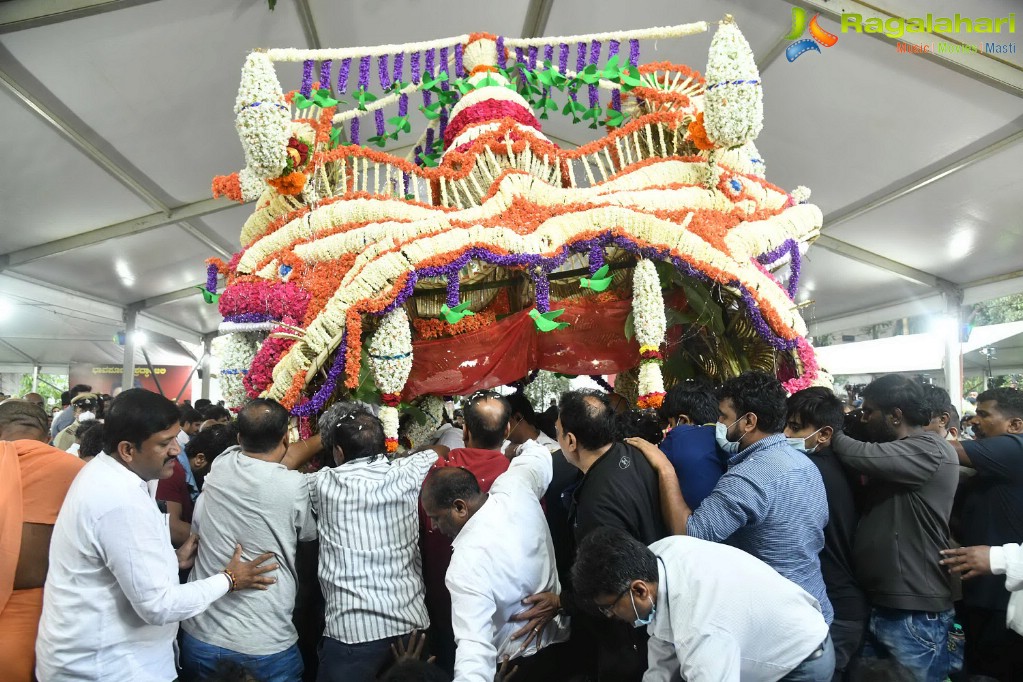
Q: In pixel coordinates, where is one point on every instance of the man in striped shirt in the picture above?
(370, 566)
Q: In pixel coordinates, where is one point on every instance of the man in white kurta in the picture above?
(502, 554)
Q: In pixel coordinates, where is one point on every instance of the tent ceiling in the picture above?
(118, 113)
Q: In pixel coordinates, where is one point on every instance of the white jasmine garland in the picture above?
(650, 379)
(252, 185)
(262, 117)
(433, 407)
(235, 353)
(390, 352)
(734, 100)
(648, 305)
(389, 418)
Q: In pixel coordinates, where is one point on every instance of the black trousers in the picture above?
(992, 649)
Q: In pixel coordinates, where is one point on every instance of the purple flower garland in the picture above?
(594, 58)
(453, 289)
(502, 56)
(342, 76)
(790, 247)
(378, 116)
(325, 74)
(211, 278)
(399, 67)
(634, 52)
(459, 66)
(355, 131)
(337, 369)
(414, 73)
(532, 57)
(383, 72)
(563, 50)
(307, 78)
(364, 73)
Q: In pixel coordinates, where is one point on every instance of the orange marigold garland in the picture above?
(290, 184)
(698, 134)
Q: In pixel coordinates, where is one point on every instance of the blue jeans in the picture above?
(199, 660)
(340, 662)
(917, 640)
(817, 669)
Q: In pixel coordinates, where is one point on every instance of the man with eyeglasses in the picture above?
(713, 611)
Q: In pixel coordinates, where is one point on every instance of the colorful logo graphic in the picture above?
(817, 35)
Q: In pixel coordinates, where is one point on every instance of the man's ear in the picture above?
(825, 434)
(571, 441)
(1015, 425)
(683, 419)
(954, 432)
(125, 451)
(200, 461)
(896, 416)
(641, 589)
(751, 420)
(460, 507)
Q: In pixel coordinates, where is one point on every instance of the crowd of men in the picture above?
(739, 533)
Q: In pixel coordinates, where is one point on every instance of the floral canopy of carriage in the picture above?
(489, 252)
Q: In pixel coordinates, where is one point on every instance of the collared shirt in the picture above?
(113, 601)
(264, 507)
(771, 503)
(370, 565)
(64, 419)
(502, 555)
(725, 616)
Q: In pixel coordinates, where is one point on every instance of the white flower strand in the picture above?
(734, 99)
(390, 352)
(648, 305)
(263, 119)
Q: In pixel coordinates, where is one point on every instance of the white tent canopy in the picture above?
(117, 114)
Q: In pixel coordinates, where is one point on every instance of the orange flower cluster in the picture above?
(429, 329)
(229, 186)
(650, 401)
(698, 134)
(291, 184)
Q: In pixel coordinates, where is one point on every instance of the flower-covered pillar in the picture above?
(651, 325)
(734, 98)
(390, 359)
(263, 121)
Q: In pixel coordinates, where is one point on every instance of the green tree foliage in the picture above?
(999, 310)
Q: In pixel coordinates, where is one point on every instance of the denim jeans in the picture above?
(340, 662)
(200, 660)
(917, 640)
(819, 669)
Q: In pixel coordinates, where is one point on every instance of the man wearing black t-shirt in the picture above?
(814, 415)
(619, 489)
(993, 515)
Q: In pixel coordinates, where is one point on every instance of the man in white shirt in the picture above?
(502, 554)
(252, 497)
(113, 600)
(713, 611)
(370, 565)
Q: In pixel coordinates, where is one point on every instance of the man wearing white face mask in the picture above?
(814, 415)
(84, 405)
(770, 502)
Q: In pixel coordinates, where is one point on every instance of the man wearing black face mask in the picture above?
(814, 416)
(913, 477)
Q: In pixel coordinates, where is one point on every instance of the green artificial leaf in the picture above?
(455, 315)
(447, 97)
(614, 118)
(364, 97)
(590, 75)
(335, 137)
(630, 78)
(630, 326)
(594, 114)
(434, 83)
(301, 102)
(401, 123)
(464, 86)
(323, 99)
(611, 69)
(573, 107)
(429, 160)
(599, 281)
(397, 86)
(208, 295)
(272, 4)
(379, 140)
(431, 112)
(545, 322)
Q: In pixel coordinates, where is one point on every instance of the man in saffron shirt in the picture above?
(486, 428)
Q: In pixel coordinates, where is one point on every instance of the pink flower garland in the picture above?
(808, 360)
(268, 299)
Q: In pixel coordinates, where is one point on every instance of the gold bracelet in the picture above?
(230, 576)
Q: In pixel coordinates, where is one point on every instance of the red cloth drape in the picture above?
(594, 343)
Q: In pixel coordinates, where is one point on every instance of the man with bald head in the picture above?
(486, 428)
(486, 588)
(35, 399)
(34, 479)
